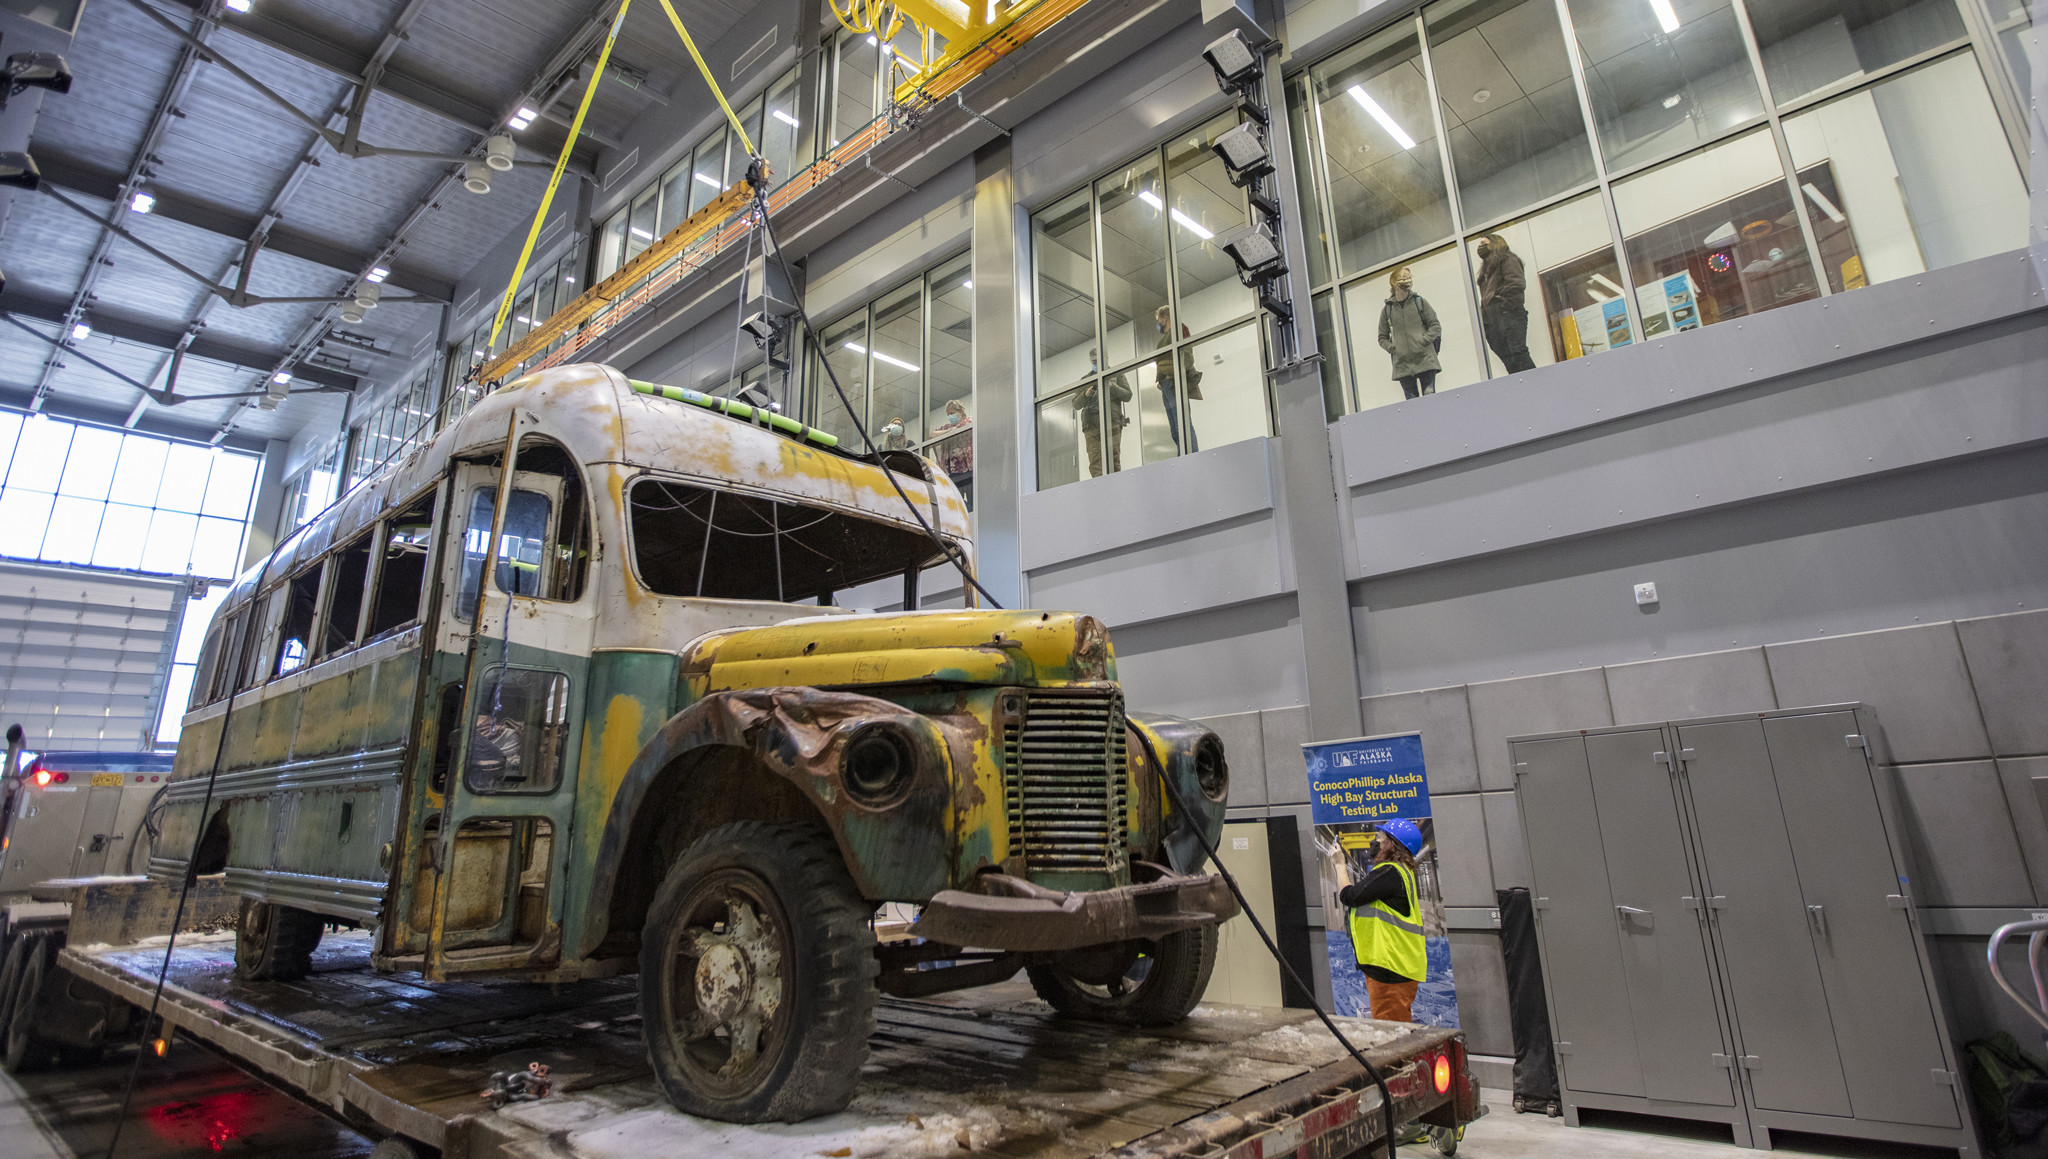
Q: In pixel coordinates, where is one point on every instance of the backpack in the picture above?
(2010, 1090)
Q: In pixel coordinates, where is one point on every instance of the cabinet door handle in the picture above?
(1819, 918)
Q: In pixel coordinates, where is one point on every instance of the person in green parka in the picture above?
(1409, 331)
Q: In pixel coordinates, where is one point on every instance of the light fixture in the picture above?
(1152, 199)
(19, 171)
(872, 40)
(1373, 110)
(1255, 253)
(352, 313)
(499, 150)
(968, 284)
(80, 332)
(570, 280)
(1244, 153)
(1667, 19)
(281, 378)
(377, 275)
(888, 50)
(1232, 57)
(1597, 296)
(786, 119)
(367, 293)
(1821, 199)
(1189, 224)
(240, 5)
(476, 177)
(894, 361)
(524, 117)
(1725, 233)
(1608, 282)
(141, 202)
(638, 232)
(707, 180)
(1671, 102)
(523, 320)
(856, 347)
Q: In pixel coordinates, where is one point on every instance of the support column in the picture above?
(1002, 367)
(265, 511)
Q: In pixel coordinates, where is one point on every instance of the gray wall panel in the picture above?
(1223, 564)
(1532, 704)
(1914, 677)
(1682, 687)
(2008, 659)
(2023, 779)
(1284, 730)
(1244, 752)
(1223, 660)
(1482, 976)
(1974, 1004)
(1461, 853)
(1504, 841)
(1960, 836)
(1135, 507)
(1444, 719)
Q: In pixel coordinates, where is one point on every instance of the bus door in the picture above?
(518, 612)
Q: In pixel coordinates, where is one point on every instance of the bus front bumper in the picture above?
(1018, 915)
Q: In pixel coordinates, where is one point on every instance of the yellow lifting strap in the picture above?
(709, 79)
(561, 163)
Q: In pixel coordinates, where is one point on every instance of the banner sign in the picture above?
(1356, 786)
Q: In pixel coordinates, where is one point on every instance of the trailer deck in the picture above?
(990, 1070)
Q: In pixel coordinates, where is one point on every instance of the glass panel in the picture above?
(169, 548)
(521, 732)
(1059, 439)
(905, 54)
(1807, 47)
(184, 481)
(89, 469)
(611, 252)
(522, 545)
(1314, 220)
(1511, 112)
(25, 515)
(707, 171)
(1223, 388)
(123, 530)
(2015, 32)
(949, 356)
(1560, 261)
(955, 456)
(1713, 236)
(846, 350)
(216, 548)
(1386, 177)
(1425, 336)
(522, 318)
(402, 574)
(476, 542)
(675, 198)
(1663, 75)
(74, 523)
(853, 105)
(544, 296)
(170, 723)
(198, 615)
(230, 486)
(1132, 206)
(39, 458)
(10, 430)
(779, 132)
(1912, 174)
(141, 469)
(1063, 254)
(295, 631)
(896, 416)
(640, 225)
(1335, 404)
(1201, 204)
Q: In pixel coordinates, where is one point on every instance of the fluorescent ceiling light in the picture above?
(81, 332)
(523, 117)
(856, 347)
(1152, 199)
(888, 50)
(786, 119)
(1188, 223)
(638, 232)
(377, 275)
(872, 40)
(525, 321)
(1723, 234)
(571, 281)
(281, 377)
(1821, 199)
(881, 357)
(1608, 282)
(142, 202)
(239, 5)
(1666, 18)
(708, 181)
(1671, 102)
(968, 284)
(1373, 109)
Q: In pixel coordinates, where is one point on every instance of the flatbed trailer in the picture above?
(990, 1070)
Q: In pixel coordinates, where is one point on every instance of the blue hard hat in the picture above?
(1406, 833)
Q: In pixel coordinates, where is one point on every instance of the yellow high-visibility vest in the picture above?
(1381, 937)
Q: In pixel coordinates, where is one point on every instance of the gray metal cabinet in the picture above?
(1726, 922)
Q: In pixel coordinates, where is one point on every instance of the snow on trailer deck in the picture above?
(988, 1071)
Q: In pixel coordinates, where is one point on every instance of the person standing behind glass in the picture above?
(1503, 312)
(1163, 374)
(1088, 410)
(1409, 331)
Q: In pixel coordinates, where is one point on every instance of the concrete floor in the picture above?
(1502, 1134)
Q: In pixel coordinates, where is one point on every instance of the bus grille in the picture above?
(1064, 782)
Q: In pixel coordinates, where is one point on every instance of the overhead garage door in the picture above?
(84, 654)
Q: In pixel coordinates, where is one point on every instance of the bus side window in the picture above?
(345, 603)
(264, 615)
(522, 549)
(209, 654)
(295, 637)
(567, 558)
(222, 678)
(520, 735)
(447, 727)
(402, 570)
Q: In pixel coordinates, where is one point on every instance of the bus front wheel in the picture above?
(275, 943)
(757, 976)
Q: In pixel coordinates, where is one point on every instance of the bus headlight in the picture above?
(878, 765)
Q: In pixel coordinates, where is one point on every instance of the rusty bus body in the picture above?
(601, 714)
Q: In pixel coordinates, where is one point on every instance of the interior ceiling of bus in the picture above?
(225, 164)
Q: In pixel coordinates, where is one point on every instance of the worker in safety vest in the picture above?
(1386, 923)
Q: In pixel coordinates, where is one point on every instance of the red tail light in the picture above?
(42, 777)
(1441, 1075)
(60, 778)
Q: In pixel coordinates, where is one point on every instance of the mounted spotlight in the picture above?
(352, 314)
(476, 177)
(1235, 63)
(43, 70)
(239, 5)
(378, 274)
(518, 121)
(19, 171)
(1255, 253)
(499, 151)
(367, 293)
(1244, 153)
(81, 332)
(142, 202)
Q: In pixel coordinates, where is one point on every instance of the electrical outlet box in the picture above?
(1646, 594)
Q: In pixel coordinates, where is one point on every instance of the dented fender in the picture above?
(1174, 744)
(897, 850)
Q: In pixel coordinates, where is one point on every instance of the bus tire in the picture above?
(757, 976)
(274, 943)
(1156, 988)
(10, 972)
(26, 1050)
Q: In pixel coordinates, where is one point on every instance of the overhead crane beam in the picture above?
(226, 351)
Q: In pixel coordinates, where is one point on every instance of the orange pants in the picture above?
(1391, 1000)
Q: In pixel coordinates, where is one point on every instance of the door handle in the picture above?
(1819, 917)
(1631, 910)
